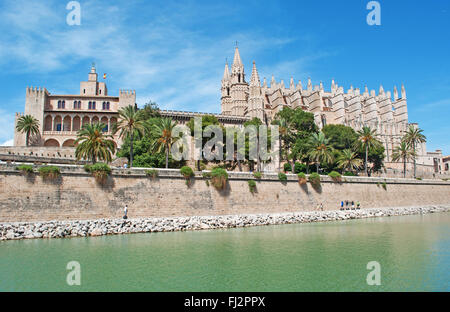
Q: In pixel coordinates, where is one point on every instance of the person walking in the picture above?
(358, 205)
(125, 212)
(321, 206)
(342, 205)
(353, 205)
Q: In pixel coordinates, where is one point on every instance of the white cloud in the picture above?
(9, 142)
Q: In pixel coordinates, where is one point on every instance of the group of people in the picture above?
(347, 205)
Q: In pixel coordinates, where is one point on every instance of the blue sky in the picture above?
(173, 52)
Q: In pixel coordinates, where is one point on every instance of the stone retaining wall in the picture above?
(77, 196)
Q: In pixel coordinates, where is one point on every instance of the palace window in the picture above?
(91, 105)
(105, 106)
(58, 127)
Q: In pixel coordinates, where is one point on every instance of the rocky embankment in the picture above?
(59, 229)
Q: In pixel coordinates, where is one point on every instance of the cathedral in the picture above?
(387, 114)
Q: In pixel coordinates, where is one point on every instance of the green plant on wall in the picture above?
(257, 175)
(335, 176)
(252, 186)
(49, 172)
(384, 186)
(219, 178)
(301, 178)
(314, 179)
(187, 173)
(152, 173)
(100, 171)
(282, 177)
(25, 169)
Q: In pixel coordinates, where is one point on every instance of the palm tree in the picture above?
(348, 160)
(284, 129)
(94, 144)
(412, 137)
(163, 130)
(367, 138)
(129, 124)
(321, 151)
(29, 125)
(403, 152)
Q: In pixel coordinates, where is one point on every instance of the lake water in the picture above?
(413, 253)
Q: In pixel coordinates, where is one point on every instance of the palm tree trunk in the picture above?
(317, 167)
(167, 157)
(26, 138)
(414, 150)
(404, 167)
(131, 149)
(258, 162)
(365, 161)
(279, 156)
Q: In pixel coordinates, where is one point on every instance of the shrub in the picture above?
(384, 185)
(206, 175)
(349, 174)
(314, 179)
(252, 185)
(444, 179)
(287, 167)
(49, 172)
(219, 178)
(418, 178)
(100, 171)
(187, 172)
(26, 169)
(153, 173)
(282, 177)
(257, 175)
(299, 167)
(301, 178)
(336, 176)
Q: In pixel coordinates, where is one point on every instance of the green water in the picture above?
(413, 252)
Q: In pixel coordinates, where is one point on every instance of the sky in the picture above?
(173, 52)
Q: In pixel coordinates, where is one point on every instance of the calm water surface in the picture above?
(413, 251)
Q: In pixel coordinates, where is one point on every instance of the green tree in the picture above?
(348, 160)
(29, 125)
(367, 139)
(321, 150)
(341, 137)
(164, 128)
(403, 152)
(94, 144)
(412, 137)
(129, 124)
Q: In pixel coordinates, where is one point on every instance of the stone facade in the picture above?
(61, 116)
(76, 195)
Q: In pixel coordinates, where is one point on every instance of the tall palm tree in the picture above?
(412, 137)
(129, 124)
(29, 125)
(284, 129)
(348, 160)
(403, 152)
(321, 151)
(94, 144)
(367, 138)
(163, 130)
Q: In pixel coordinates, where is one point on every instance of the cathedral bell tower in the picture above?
(239, 88)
